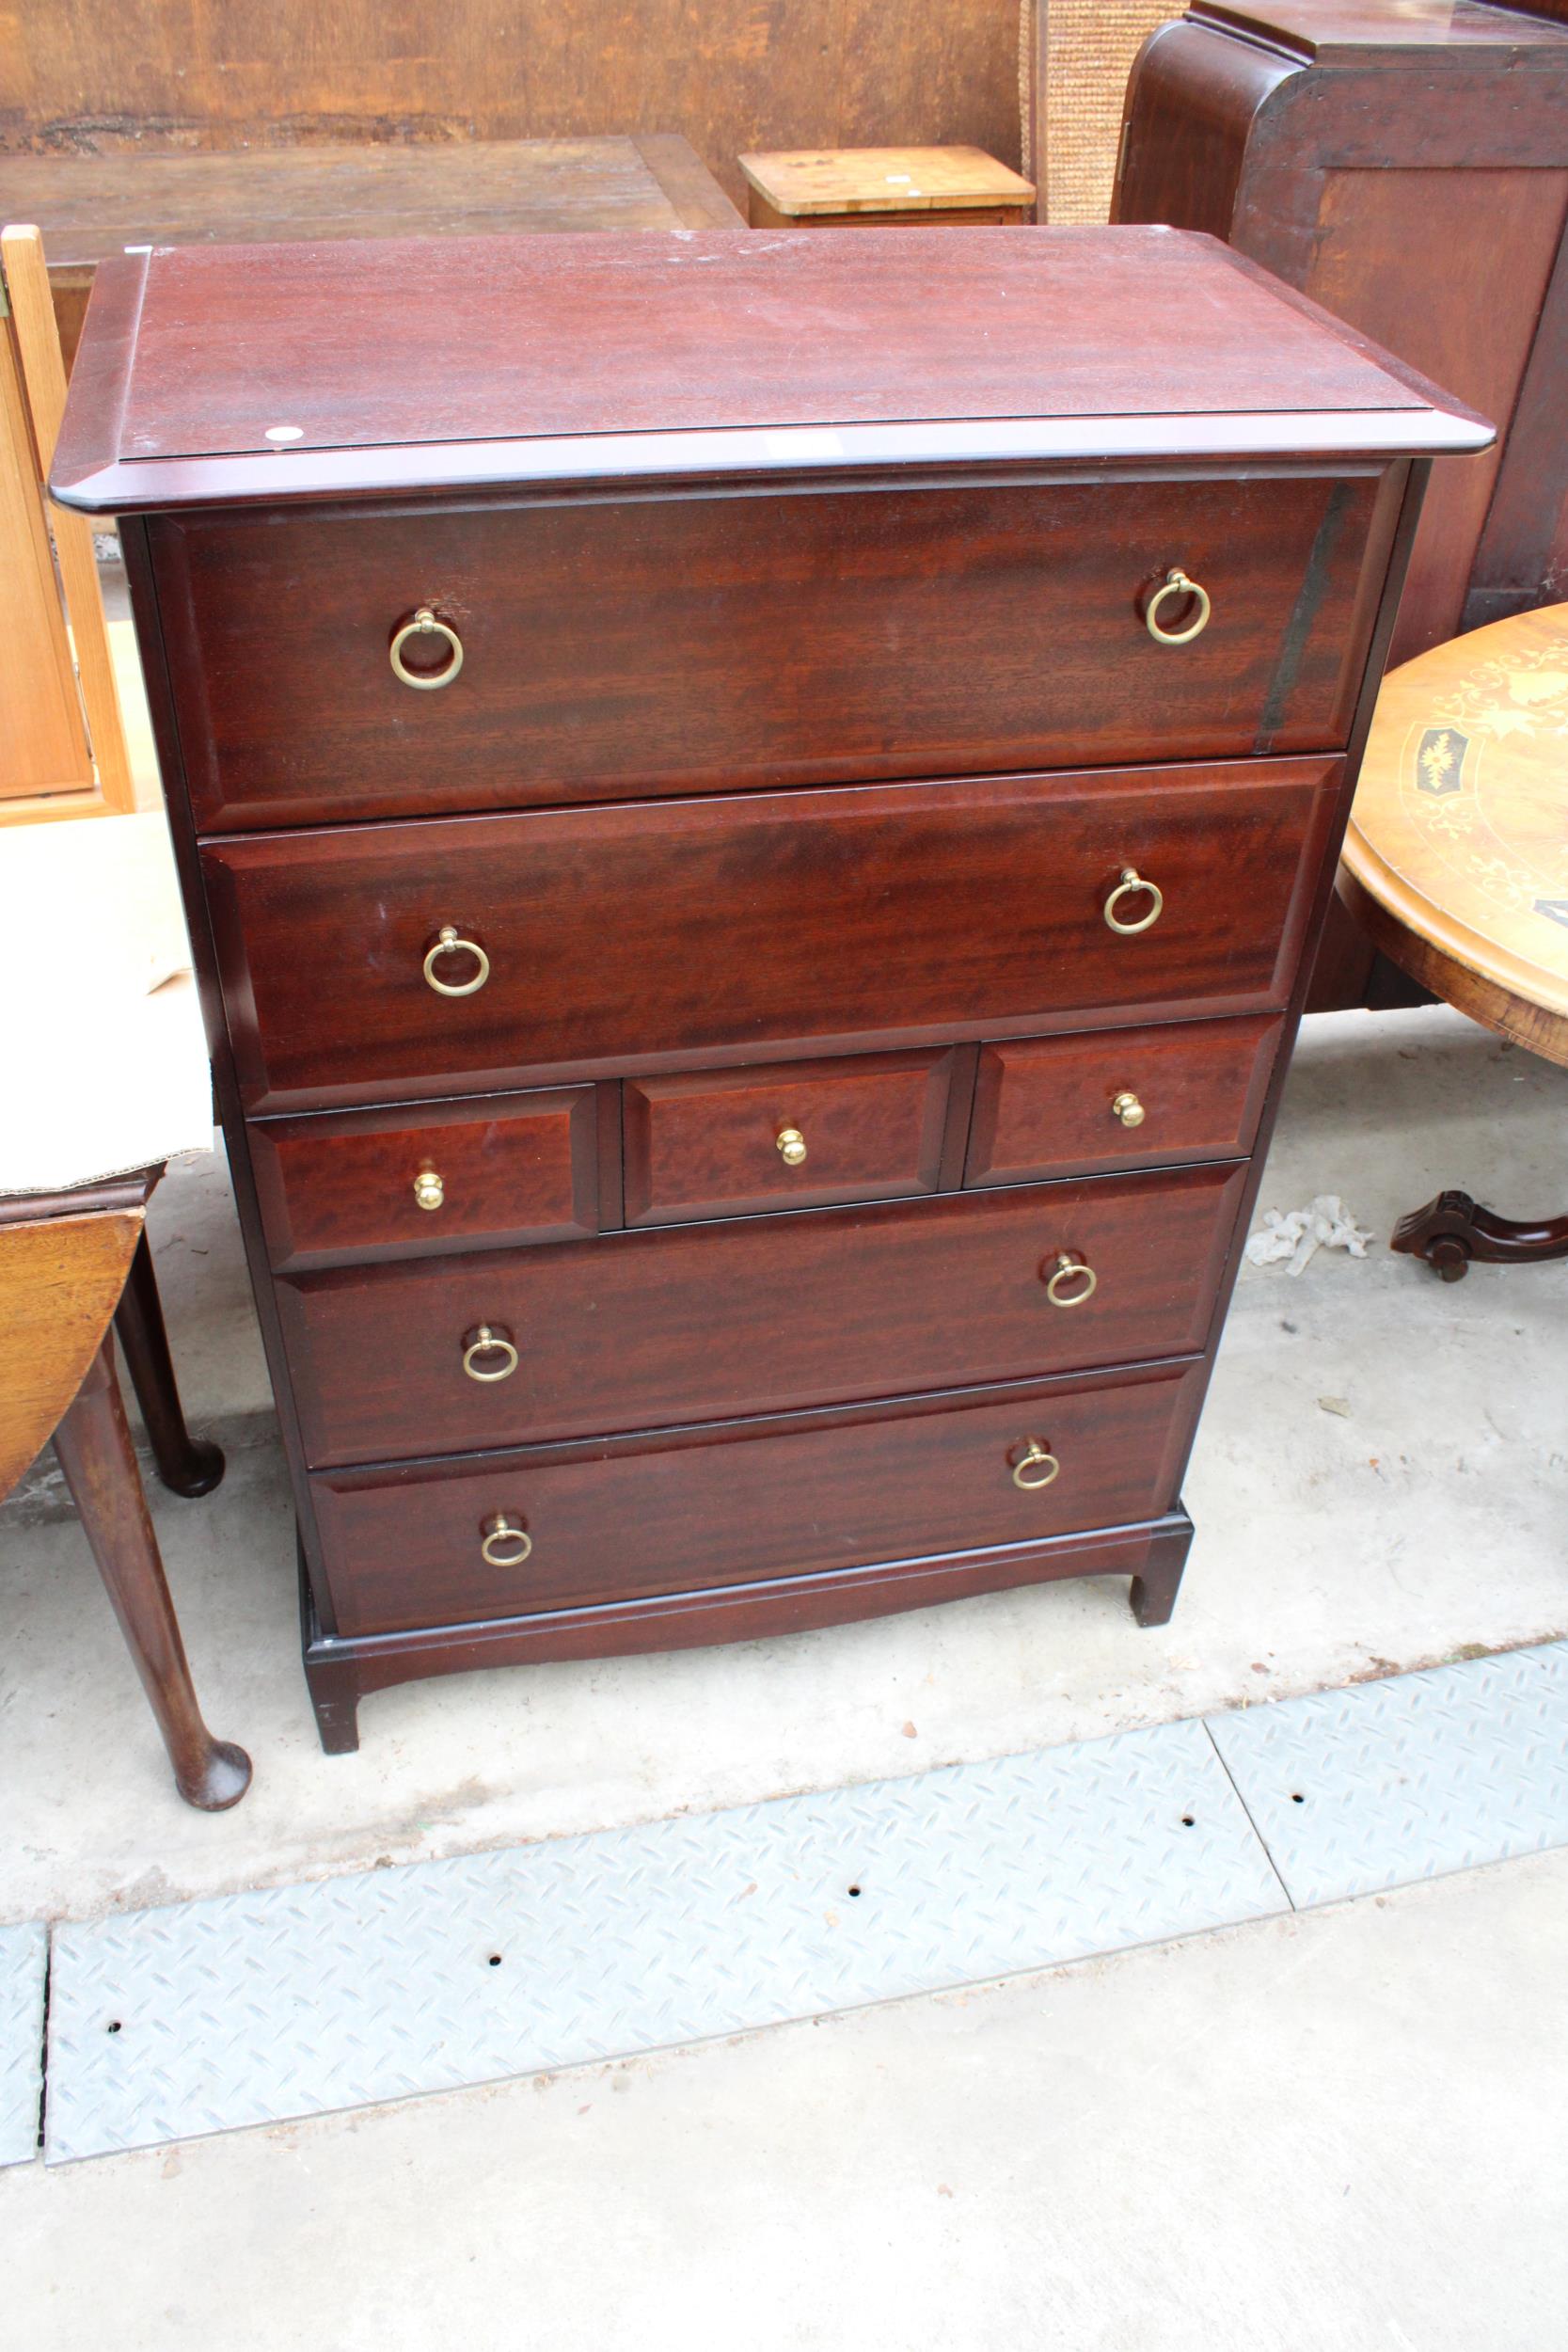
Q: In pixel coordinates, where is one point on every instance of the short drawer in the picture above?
(735, 1142)
(1119, 1098)
(761, 1316)
(659, 645)
(367, 962)
(441, 1544)
(428, 1177)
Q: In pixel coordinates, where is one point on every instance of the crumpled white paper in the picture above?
(1297, 1234)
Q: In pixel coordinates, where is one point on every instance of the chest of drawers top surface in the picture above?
(217, 374)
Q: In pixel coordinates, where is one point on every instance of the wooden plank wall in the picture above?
(79, 77)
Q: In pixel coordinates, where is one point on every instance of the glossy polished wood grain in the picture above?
(751, 1501)
(764, 1314)
(1045, 1106)
(709, 1146)
(593, 337)
(611, 650)
(695, 930)
(518, 1167)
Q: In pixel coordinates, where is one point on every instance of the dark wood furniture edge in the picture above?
(109, 1193)
(340, 1673)
(1411, 496)
(187, 1466)
(1431, 394)
(143, 579)
(1364, 57)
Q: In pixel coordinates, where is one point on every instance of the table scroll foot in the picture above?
(1453, 1229)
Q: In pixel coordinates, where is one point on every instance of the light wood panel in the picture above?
(839, 182)
(43, 375)
(43, 746)
(61, 1282)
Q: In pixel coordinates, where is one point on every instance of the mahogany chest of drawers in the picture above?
(752, 811)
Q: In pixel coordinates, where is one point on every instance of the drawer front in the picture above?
(747, 1502)
(767, 1314)
(671, 644)
(798, 1135)
(428, 1177)
(687, 931)
(1119, 1098)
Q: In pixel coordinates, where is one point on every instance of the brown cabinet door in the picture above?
(593, 941)
(666, 644)
(764, 1314)
(750, 1502)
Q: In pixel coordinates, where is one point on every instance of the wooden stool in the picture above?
(1456, 862)
(914, 188)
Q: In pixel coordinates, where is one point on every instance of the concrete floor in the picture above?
(1334, 2133)
(1338, 2130)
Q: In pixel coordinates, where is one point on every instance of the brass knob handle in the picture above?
(429, 1191)
(792, 1146)
(424, 624)
(1036, 1465)
(504, 1542)
(489, 1341)
(1130, 884)
(449, 943)
(1176, 583)
(1128, 1108)
(1071, 1270)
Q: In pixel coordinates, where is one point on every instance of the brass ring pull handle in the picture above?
(792, 1146)
(1072, 1269)
(429, 1191)
(488, 1342)
(424, 624)
(1127, 1107)
(1130, 884)
(1176, 583)
(505, 1543)
(449, 943)
(1036, 1465)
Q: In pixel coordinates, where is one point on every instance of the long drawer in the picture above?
(441, 1544)
(670, 644)
(767, 1314)
(363, 963)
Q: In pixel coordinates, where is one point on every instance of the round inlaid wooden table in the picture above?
(1456, 862)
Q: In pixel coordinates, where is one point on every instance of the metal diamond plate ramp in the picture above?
(253, 2008)
(23, 1952)
(1373, 1787)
